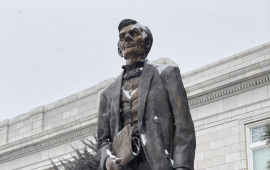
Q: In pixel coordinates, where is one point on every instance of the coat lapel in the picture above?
(145, 81)
(116, 100)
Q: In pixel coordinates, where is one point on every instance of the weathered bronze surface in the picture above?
(152, 101)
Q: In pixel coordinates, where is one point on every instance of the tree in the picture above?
(266, 136)
(82, 160)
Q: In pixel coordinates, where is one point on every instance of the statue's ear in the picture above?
(148, 44)
(120, 52)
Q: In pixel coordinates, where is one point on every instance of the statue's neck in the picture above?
(132, 61)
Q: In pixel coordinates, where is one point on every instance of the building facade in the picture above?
(229, 102)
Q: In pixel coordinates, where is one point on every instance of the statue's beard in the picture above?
(134, 54)
(133, 57)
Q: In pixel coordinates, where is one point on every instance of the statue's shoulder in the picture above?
(163, 68)
(106, 91)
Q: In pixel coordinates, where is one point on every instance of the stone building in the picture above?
(229, 102)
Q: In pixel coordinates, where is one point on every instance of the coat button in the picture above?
(156, 119)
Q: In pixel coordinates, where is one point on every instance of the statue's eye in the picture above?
(121, 38)
(133, 34)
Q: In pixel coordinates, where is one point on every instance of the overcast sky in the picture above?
(50, 49)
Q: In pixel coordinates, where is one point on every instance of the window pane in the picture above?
(255, 138)
(256, 133)
(260, 158)
(257, 130)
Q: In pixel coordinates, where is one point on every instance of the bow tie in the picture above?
(133, 72)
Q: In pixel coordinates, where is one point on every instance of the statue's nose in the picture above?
(127, 36)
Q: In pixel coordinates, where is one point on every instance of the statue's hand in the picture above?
(112, 163)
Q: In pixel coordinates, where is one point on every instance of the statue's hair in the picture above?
(127, 22)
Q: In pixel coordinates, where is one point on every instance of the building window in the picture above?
(258, 151)
(257, 133)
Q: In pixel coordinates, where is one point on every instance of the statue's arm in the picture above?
(184, 135)
(103, 130)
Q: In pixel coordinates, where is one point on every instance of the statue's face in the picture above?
(131, 41)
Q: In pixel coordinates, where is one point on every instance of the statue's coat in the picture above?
(164, 121)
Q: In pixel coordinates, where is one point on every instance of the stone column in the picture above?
(4, 132)
(36, 120)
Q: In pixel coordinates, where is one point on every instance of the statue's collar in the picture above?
(139, 64)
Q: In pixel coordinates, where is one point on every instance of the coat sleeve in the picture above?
(103, 130)
(184, 134)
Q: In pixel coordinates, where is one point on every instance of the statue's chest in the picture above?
(129, 102)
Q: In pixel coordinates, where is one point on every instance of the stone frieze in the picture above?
(48, 143)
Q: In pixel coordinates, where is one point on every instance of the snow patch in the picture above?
(159, 67)
(144, 34)
(172, 161)
(166, 152)
(129, 95)
(110, 153)
(143, 139)
(104, 88)
(137, 25)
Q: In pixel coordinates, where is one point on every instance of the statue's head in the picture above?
(134, 39)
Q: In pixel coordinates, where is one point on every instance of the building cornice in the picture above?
(225, 92)
(228, 78)
(56, 140)
(54, 132)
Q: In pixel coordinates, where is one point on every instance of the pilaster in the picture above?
(37, 120)
(4, 132)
